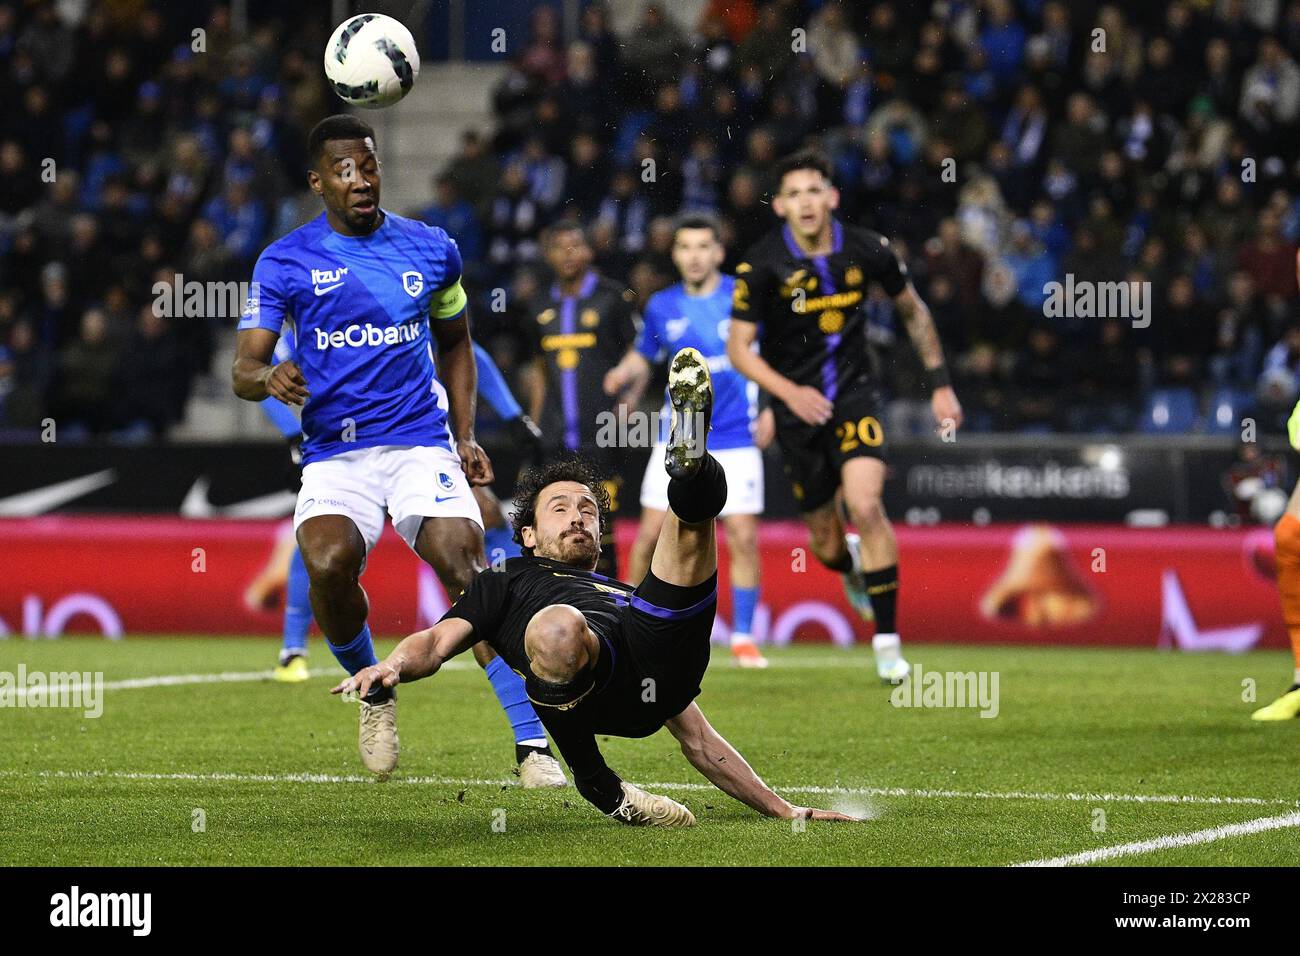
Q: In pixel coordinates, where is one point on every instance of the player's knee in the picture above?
(556, 643)
(333, 565)
(454, 570)
(867, 513)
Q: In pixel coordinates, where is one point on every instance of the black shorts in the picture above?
(659, 656)
(814, 454)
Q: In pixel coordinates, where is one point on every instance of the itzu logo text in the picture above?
(103, 909)
(355, 336)
(83, 691)
(323, 280)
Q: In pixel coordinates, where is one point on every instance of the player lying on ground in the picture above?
(597, 655)
(385, 430)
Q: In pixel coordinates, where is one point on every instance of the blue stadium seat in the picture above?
(1169, 411)
(1223, 415)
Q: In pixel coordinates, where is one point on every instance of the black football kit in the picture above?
(812, 329)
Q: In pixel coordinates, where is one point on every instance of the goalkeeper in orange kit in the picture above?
(1287, 537)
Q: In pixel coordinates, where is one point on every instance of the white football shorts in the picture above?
(410, 482)
(742, 466)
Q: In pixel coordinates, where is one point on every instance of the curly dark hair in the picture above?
(531, 482)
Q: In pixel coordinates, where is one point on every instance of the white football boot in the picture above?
(641, 809)
(538, 771)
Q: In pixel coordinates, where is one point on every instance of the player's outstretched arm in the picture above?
(710, 754)
(810, 405)
(925, 338)
(255, 378)
(418, 655)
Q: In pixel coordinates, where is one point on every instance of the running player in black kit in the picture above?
(582, 327)
(599, 656)
(799, 293)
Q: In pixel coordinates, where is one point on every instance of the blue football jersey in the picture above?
(676, 320)
(360, 308)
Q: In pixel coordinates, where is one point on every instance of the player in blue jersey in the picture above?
(384, 428)
(286, 573)
(695, 314)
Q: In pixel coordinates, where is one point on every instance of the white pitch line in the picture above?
(180, 680)
(1171, 842)
(250, 677)
(490, 782)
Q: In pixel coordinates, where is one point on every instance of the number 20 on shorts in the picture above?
(865, 431)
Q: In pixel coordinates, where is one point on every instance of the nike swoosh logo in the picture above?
(441, 500)
(27, 504)
(319, 291)
(196, 504)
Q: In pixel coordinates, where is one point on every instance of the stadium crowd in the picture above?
(128, 158)
(1002, 145)
(1161, 149)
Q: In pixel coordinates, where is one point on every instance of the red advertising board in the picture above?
(1187, 588)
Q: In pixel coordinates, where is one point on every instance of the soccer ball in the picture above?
(371, 60)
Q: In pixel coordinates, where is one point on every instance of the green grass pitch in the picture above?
(275, 772)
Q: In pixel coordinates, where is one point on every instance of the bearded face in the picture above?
(566, 526)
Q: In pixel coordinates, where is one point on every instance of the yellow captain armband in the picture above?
(449, 302)
(1293, 427)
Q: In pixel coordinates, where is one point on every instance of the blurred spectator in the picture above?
(473, 171)
(652, 54)
(1031, 266)
(1106, 378)
(543, 58)
(833, 44)
(1238, 331)
(85, 390)
(1037, 378)
(948, 256)
(1284, 357)
(514, 221)
(453, 214)
(1269, 258)
(1270, 89)
(961, 126)
(26, 382)
(151, 379)
(240, 220)
(19, 181)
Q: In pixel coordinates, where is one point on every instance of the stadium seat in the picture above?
(1223, 414)
(1169, 411)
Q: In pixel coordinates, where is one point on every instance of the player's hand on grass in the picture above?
(946, 408)
(285, 382)
(764, 428)
(360, 683)
(477, 465)
(809, 405)
(812, 813)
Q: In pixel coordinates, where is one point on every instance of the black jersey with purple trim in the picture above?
(580, 337)
(809, 309)
(500, 603)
